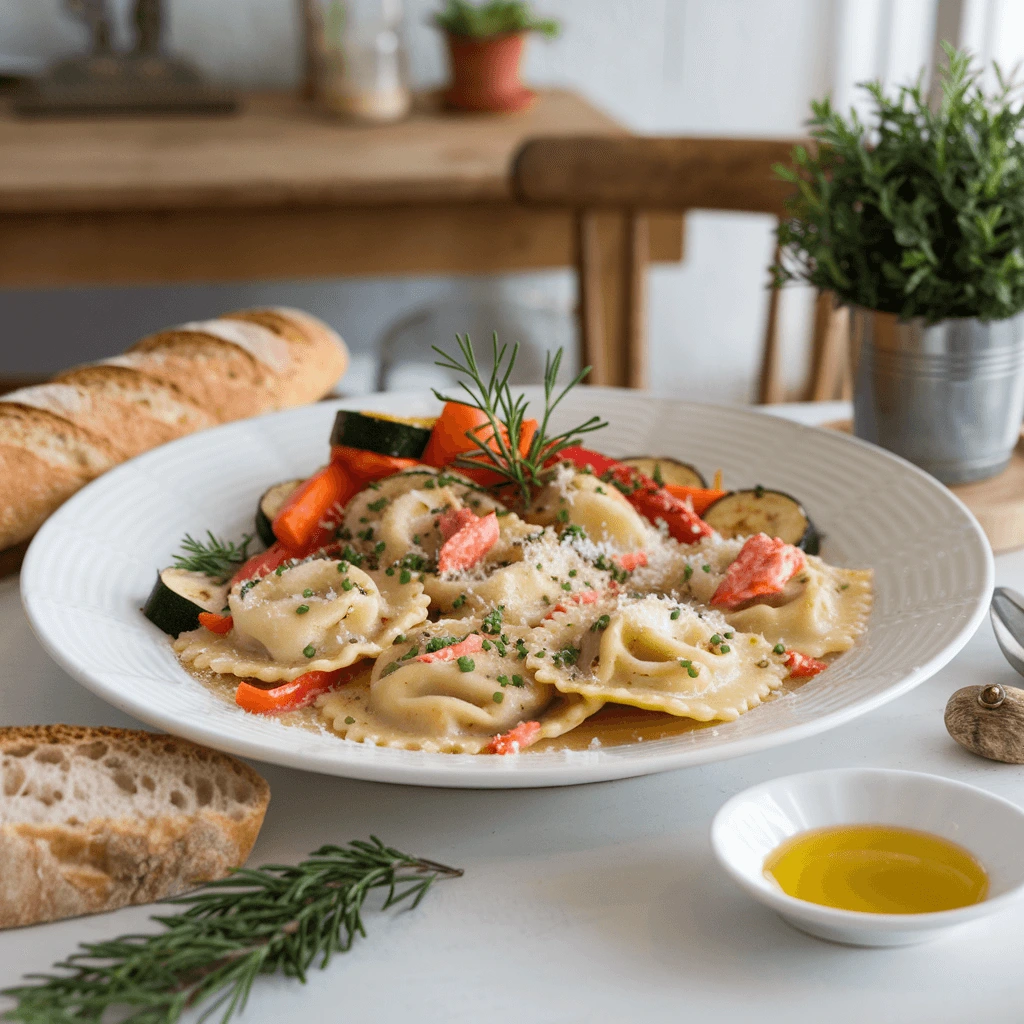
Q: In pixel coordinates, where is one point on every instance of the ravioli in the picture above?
(653, 653)
(401, 512)
(581, 499)
(529, 572)
(822, 610)
(455, 706)
(319, 615)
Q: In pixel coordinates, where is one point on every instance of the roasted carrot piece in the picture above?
(465, 548)
(764, 566)
(368, 466)
(453, 520)
(216, 623)
(701, 497)
(310, 504)
(448, 437)
(299, 693)
(473, 644)
(802, 666)
(525, 734)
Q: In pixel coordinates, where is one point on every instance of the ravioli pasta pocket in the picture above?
(417, 596)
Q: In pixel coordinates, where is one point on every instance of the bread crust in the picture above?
(170, 384)
(58, 864)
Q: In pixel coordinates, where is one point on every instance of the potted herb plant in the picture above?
(915, 220)
(485, 46)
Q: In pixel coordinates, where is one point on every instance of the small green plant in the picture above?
(495, 18)
(920, 212)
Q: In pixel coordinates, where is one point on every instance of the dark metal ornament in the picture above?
(108, 82)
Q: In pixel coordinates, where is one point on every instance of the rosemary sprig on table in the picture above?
(255, 922)
(214, 557)
(493, 396)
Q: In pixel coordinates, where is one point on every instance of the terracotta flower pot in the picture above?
(485, 73)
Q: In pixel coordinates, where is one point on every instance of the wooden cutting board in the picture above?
(997, 503)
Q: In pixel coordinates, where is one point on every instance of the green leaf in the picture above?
(914, 211)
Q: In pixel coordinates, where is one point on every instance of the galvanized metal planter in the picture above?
(949, 397)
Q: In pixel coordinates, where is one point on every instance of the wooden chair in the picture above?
(610, 184)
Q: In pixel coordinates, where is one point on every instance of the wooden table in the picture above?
(281, 192)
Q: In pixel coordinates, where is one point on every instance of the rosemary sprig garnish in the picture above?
(494, 397)
(213, 557)
(255, 922)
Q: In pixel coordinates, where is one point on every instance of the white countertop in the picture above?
(590, 903)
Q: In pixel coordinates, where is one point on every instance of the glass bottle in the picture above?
(363, 67)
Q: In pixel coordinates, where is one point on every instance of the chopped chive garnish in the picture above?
(405, 576)
(728, 636)
(518, 681)
(693, 672)
(685, 662)
(724, 649)
(497, 696)
(779, 649)
(503, 680)
(675, 613)
(349, 720)
(309, 651)
(347, 584)
(466, 664)
(706, 568)
(687, 572)
(307, 592)
(302, 609)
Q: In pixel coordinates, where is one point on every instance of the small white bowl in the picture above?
(753, 823)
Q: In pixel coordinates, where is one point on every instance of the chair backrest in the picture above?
(628, 176)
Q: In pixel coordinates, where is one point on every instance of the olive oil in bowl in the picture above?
(877, 869)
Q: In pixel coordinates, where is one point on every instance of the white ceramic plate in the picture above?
(93, 563)
(753, 823)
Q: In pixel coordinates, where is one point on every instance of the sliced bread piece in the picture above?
(97, 818)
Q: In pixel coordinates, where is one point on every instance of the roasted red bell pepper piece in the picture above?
(473, 644)
(264, 562)
(651, 501)
(472, 541)
(367, 466)
(764, 566)
(803, 666)
(522, 736)
(216, 623)
(299, 693)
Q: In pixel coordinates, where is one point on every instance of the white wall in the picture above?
(722, 67)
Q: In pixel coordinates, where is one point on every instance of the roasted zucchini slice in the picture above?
(666, 471)
(743, 513)
(400, 437)
(178, 596)
(269, 505)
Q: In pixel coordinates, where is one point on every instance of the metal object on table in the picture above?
(1007, 614)
(105, 81)
(948, 396)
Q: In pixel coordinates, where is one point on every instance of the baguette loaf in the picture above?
(56, 437)
(92, 819)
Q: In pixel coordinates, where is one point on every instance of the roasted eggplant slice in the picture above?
(666, 471)
(177, 598)
(270, 504)
(744, 513)
(399, 437)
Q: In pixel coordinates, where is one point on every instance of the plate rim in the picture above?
(467, 771)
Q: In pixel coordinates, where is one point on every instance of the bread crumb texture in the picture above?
(97, 818)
